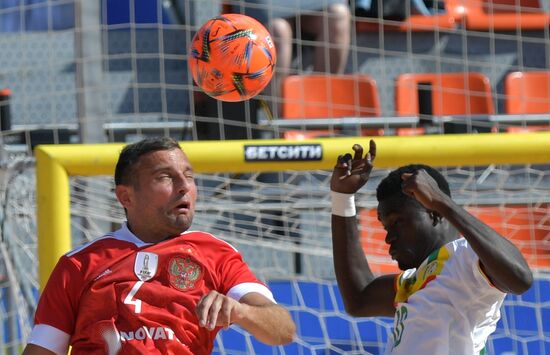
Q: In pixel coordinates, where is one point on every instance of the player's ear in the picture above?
(123, 195)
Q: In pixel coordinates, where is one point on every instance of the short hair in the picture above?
(391, 184)
(130, 154)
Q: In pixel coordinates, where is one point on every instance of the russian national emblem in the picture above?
(184, 273)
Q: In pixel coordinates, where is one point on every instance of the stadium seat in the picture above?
(328, 96)
(527, 92)
(286, 292)
(528, 129)
(410, 131)
(545, 317)
(504, 15)
(309, 327)
(233, 339)
(462, 93)
(374, 333)
(499, 343)
(318, 296)
(538, 293)
(340, 331)
(527, 227)
(520, 318)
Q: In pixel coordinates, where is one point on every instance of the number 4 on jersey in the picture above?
(130, 298)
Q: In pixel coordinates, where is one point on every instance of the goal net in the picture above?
(117, 70)
(280, 221)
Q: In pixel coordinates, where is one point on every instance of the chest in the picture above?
(170, 278)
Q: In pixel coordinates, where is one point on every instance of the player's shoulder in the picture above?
(121, 239)
(458, 246)
(461, 252)
(205, 238)
(99, 244)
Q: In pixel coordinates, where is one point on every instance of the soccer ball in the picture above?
(232, 57)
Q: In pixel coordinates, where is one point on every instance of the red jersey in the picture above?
(118, 294)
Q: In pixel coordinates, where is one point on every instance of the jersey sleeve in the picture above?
(58, 302)
(236, 278)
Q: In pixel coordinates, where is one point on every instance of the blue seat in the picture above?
(309, 327)
(324, 328)
(338, 327)
(501, 344)
(545, 317)
(342, 333)
(319, 296)
(339, 302)
(544, 289)
(297, 348)
(538, 293)
(310, 292)
(233, 340)
(285, 292)
(261, 348)
(519, 319)
(538, 347)
(374, 333)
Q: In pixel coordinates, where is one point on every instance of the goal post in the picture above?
(56, 163)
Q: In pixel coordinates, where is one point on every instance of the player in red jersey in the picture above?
(153, 287)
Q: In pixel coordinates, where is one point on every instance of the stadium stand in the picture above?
(137, 63)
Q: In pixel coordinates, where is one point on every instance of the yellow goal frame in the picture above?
(56, 163)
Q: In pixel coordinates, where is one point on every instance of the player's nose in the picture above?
(183, 185)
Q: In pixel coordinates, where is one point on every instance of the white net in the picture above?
(281, 223)
(113, 71)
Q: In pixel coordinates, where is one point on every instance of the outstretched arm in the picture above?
(265, 320)
(363, 294)
(500, 259)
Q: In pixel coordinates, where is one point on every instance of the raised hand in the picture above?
(351, 173)
(421, 186)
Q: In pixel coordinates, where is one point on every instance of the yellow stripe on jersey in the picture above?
(410, 282)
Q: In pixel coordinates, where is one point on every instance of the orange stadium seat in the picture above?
(528, 129)
(527, 93)
(410, 131)
(328, 96)
(503, 15)
(451, 93)
(527, 227)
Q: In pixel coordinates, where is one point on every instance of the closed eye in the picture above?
(164, 177)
